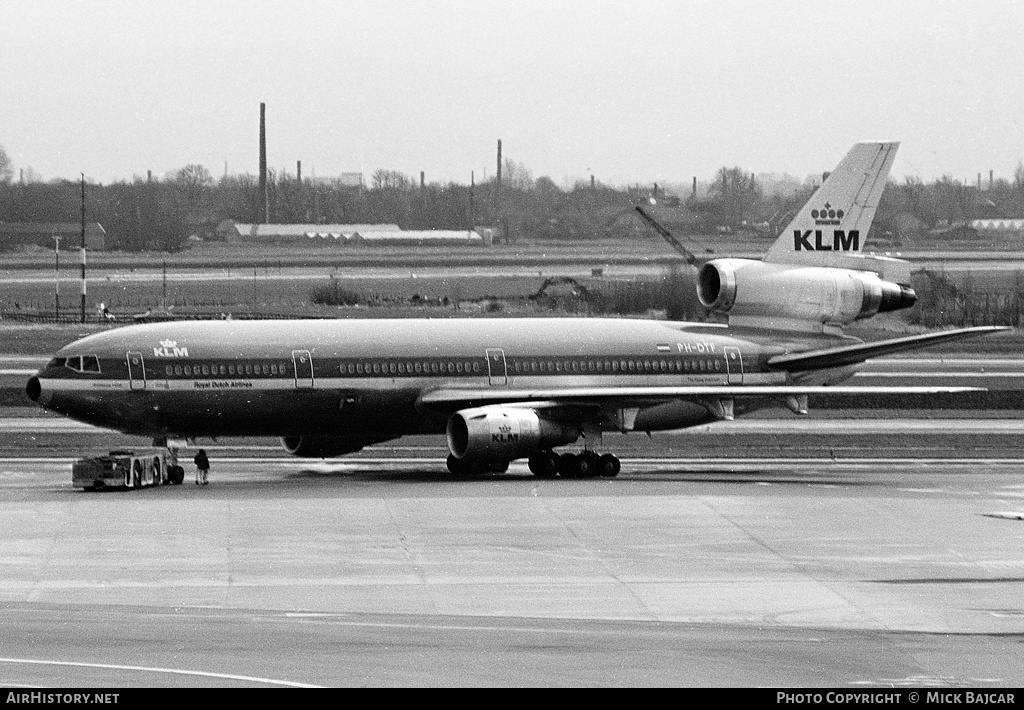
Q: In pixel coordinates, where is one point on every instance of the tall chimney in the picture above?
(991, 178)
(694, 185)
(298, 171)
(497, 184)
(264, 195)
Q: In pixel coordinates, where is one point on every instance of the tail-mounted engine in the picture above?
(755, 289)
(496, 434)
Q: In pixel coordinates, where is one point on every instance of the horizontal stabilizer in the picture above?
(853, 354)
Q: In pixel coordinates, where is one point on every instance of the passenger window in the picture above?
(188, 370)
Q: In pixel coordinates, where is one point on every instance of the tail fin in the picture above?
(835, 221)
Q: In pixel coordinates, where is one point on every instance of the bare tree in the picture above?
(6, 171)
(193, 180)
(517, 175)
(390, 180)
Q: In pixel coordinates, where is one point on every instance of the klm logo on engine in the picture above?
(814, 240)
(504, 435)
(169, 348)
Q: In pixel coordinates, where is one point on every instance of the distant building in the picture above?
(424, 237)
(1005, 227)
(323, 234)
(15, 235)
(231, 231)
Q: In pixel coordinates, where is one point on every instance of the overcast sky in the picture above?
(631, 91)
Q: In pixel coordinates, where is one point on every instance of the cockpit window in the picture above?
(57, 362)
(82, 363)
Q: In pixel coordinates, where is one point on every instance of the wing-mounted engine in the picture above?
(504, 433)
(760, 293)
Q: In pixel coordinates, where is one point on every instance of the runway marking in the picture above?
(905, 375)
(1009, 515)
(338, 619)
(147, 669)
(357, 463)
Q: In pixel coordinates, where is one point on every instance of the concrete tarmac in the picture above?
(385, 571)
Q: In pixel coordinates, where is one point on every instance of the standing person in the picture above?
(202, 468)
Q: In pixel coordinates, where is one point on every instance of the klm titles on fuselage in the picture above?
(814, 240)
(169, 348)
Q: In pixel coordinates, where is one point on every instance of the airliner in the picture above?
(506, 389)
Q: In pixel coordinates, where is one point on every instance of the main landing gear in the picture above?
(586, 464)
(544, 464)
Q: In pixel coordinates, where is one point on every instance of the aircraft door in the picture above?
(734, 365)
(303, 361)
(136, 370)
(497, 373)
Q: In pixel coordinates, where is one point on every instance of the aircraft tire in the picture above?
(608, 466)
(464, 468)
(498, 466)
(176, 475)
(567, 467)
(544, 464)
(586, 466)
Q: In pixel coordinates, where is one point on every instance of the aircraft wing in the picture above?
(450, 399)
(853, 354)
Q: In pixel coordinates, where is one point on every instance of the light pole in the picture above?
(56, 275)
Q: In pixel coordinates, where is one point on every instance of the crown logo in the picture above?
(168, 343)
(827, 213)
